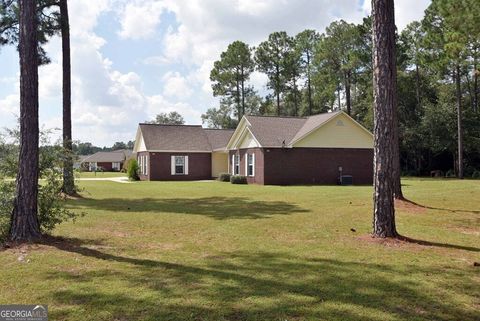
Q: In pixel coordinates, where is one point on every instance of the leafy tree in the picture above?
(230, 74)
(385, 92)
(48, 24)
(119, 146)
(172, 118)
(337, 50)
(80, 148)
(219, 117)
(272, 58)
(306, 42)
(448, 49)
(51, 201)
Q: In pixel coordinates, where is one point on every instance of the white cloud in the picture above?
(10, 104)
(140, 19)
(109, 99)
(406, 11)
(176, 86)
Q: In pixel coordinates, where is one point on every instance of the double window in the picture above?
(143, 164)
(249, 164)
(116, 166)
(179, 165)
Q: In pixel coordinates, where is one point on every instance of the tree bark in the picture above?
(243, 91)
(347, 93)
(475, 84)
(277, 76)
(24, 224)
(385, 91)
(310, 102)
(459, 121)
(68, 179)
(417, 84)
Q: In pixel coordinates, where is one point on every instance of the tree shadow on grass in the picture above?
(215, 207)
(256, 286)
(436, 244)
(440, 208)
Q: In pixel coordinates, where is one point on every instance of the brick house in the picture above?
(105, 161)
(268, 150)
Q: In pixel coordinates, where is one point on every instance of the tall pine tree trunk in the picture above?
(459, 121)
(347, 93)
(309, 86)
(25, 225)
(475, 84)
(417, 85)
(385, 91)
(68, 180)
(243, 91)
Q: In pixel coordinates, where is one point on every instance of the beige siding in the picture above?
(219, 163)
(248, 141)
(340, 132)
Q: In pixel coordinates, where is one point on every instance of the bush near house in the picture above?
(132, 169)
(238, 179)
(224, 177)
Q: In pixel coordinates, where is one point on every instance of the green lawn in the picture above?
(216, 251)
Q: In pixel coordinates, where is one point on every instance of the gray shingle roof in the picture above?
(175, 137)
(107, 157)
(219, 138)
(274, 131)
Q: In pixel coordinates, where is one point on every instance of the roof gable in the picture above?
(339, 131)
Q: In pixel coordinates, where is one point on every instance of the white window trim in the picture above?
(253, 165)
(237, 163)
(173, 165)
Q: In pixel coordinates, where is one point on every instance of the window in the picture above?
(179, 165)
(250, 165)
(116, 166)
(237, 165)
(142, 164)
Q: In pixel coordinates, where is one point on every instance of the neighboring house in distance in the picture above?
(268, 150)
(181, 152)
(78, 161)
(106, 161)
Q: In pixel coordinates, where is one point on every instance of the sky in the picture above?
(132, 59)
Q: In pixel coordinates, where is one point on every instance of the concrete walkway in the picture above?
(111, 179)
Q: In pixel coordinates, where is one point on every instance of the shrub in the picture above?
(224, 177)
(51, 200)
(132, 170)
(7, 195)
(450, 173)
(476, 175)
(238, 179)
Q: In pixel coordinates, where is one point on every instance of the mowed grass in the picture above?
(217, 251)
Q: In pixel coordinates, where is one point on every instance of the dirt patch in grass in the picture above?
(408, 206)
(391, 242)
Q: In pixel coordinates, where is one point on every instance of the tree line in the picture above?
(437, 79)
